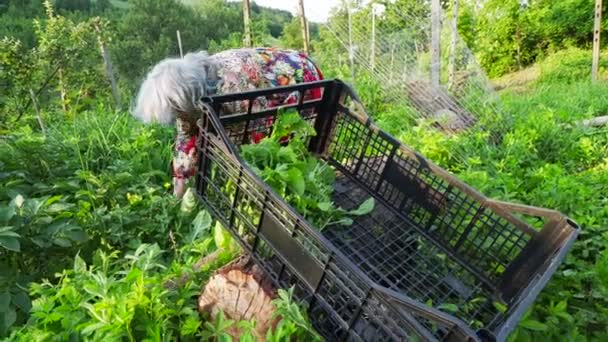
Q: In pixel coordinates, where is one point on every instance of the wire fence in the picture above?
(399, 61)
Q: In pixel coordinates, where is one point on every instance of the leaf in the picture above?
(77, 236)
(324, 206)
(190, 326)
(533, 325)
(8, 232)
(500, 307)
(58, 207)
(23, 302)
(188, 201)
(561, 306)
(346, 221)
(80, 266)
(365, 207)
(221, 236)
(453, 308)
(295, 180)
(200, 225)
(6, 214)
(5, 301)
(62, 242)
(10, 316)
(56, 227)
(91, 328)
(10, 243)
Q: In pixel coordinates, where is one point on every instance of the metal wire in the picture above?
(395, 55)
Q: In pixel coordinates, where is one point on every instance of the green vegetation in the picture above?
(543, 158)
(296, 175)
(87, 222)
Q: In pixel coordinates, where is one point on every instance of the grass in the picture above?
(107, 176)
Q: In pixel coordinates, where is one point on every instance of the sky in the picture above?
(316, 10)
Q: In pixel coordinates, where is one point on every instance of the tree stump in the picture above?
(242, 291)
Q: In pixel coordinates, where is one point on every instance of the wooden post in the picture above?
(435, 42)
(452, 63)
(37, 109)
(372, 53)
(62, 91)
(179, 43)
(110, 74)
(596, 39)
(393, 60)
(107, 61)
(304, 27)
(248, 41)
(351, 51)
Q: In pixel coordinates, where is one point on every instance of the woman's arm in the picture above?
(184, 155)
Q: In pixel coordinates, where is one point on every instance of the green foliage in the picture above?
(294, 322)
(95, 197)
(569, 65)
(296, 175)
(508, 36)
(147, 34)
(542, 158)
(90, 202)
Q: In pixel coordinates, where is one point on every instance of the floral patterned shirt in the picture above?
(243, 70)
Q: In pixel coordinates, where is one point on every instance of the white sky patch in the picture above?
(316, 10)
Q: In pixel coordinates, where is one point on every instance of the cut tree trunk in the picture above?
(242, 291)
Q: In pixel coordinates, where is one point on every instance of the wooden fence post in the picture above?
(596, 39)
(452, 63)
(372, 53)
(107, 61)
(435, 42)
(351, 51)
(248, 41)
(304, 27)
(37, 109)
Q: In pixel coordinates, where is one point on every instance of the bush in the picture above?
(570, 65)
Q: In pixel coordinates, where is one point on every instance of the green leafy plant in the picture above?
(294, 322)
(304, 181)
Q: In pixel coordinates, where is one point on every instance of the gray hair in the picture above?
(173, 85)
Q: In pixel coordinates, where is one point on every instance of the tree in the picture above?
(73, 5)
(146, 35)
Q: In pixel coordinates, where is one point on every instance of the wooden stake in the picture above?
(452, 63)
(351, 51)
(179, 43)
(62, 92)
(107, 62)
(435, 42)
(248, 41)
(308, 34)
(304, 27)
(37, 109)
(596, 39)
(373, 45)
(393, 60)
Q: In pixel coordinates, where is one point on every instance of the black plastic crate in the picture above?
(432, 244)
